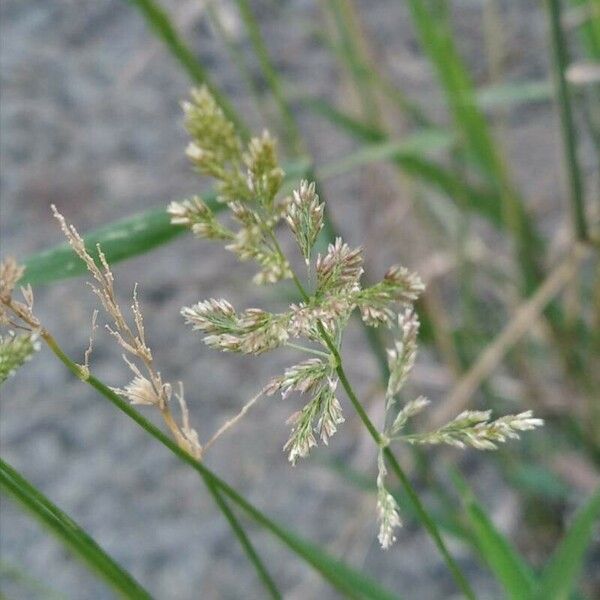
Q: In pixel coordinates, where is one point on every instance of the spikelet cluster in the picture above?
(249, 181)
(15, 351)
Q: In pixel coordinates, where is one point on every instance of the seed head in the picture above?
(305, 217)
(340, 268)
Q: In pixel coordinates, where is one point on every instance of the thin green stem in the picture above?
(245, 542)
(158, 19)
(308, 350)
(237, 529)
(271, 75)
(420, 509)
(343, 578)
(561, 60)
(70, 533)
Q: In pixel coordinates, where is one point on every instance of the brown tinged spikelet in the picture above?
(147, 387)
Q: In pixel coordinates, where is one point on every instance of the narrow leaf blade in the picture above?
(64, 528)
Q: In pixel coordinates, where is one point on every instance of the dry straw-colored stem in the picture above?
(521, 322)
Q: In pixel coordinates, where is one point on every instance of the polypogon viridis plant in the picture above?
(249, 182)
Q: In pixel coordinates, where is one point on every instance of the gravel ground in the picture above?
(90, 121)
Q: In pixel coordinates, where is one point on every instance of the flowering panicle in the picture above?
(409, 410)
(303, 377)
(305, 217)
(16, 350)
(474, 428)
(216, 148)
(249, 182)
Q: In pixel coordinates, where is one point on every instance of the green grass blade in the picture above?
(245, 542)
(64, 528)
(559, 577)
(499, 554)
(162, 26)
(569, 135)
(343, 16)
(120, 240)
(503, 95)
(271, 76)
(589, 25)
(351, 582)
(414, 146)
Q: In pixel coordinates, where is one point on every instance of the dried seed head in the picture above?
(305, 217)
(340, 268)
(15, 350)
(140, 391)
(10, 273)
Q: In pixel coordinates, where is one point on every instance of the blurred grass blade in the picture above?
(503, 559)
(415, 144)
(162, 26)
(271, 76)
(120, 240)
(437, 42)
(561, 62)
(484, 201)
(353, 583)
(350, 54)
(585, 15)
(559, 577)
(64, 528)
(505, 94)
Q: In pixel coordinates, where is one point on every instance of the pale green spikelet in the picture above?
(16, 350)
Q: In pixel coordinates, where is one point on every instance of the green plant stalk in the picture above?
(237, 56)
(420, 509)
(343, 15)
(271, 76)
(160, 22)
(245, 542)
(345, 579)
(237, 529)
(70, 533)
(561, 61)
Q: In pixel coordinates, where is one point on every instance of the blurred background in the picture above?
(481, 208)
